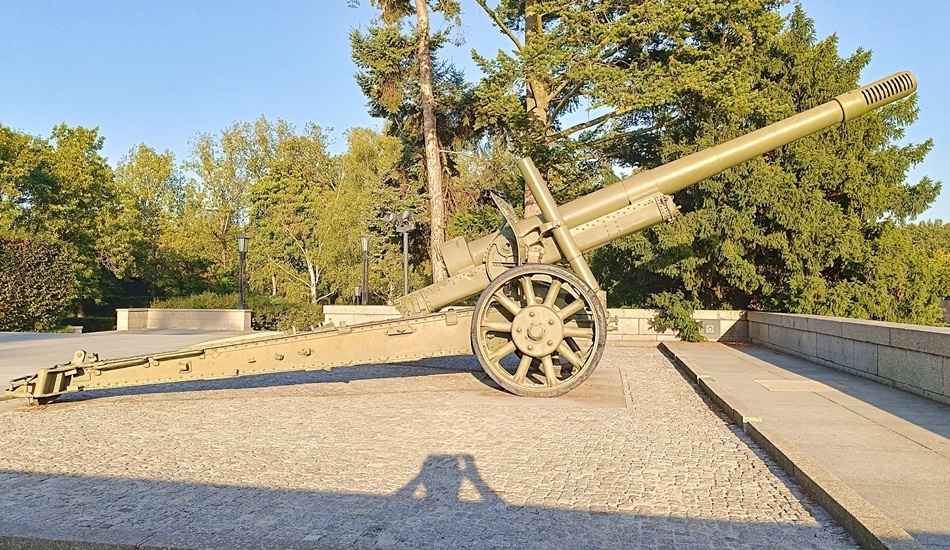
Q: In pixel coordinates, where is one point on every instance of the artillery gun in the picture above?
(537, 329)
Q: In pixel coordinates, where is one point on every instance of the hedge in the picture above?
(91, 324)
(36, 283)
(267, 312)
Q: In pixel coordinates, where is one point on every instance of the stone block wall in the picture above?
(353, 315)
(635, 326)
(914, 358)
(183, 319)
(626, 326)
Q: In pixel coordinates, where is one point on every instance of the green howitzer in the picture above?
(537, 329)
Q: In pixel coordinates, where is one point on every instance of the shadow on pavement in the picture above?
(447, 505)
(424, 367)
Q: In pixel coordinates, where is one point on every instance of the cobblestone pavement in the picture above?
(421, 456)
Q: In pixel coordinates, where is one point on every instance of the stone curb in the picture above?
(868, 525)
(17, 536)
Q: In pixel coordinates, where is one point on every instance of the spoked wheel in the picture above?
(538, 330)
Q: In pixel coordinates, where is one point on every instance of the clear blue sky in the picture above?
(160, 72)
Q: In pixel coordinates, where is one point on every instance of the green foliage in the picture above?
(91, 324)
(675, 312)
(62, 190)
(267, 312)
(616, 70)
(483, 166)
(279, 314)
(226, 166)
(386, 55)
(813, 227)
(931, 239)
(391, 57)
(304, 209)
(36, 283)
(308, 211)
(298, 209)
(152, 193)
(474, 221)
(372, 163)
(818, 226)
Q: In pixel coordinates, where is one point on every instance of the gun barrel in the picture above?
(694, 168)
(642, 199)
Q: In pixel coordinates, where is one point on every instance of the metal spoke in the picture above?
(523, 367)
(528, 285)
(503, 351)
(507, 302)
(571, 309)
(572, 332)
(547, 365)
(540, 366)
(553, 291)
(496, 327)
(573, 345)
(571, 357)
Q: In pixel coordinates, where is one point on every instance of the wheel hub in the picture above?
(537, 331)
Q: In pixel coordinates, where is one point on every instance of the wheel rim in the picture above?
(538, 330)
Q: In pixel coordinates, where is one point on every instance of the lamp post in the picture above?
(242, 253)
(404, 222)
(364, 294)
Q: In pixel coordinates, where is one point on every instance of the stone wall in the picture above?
(353, 315)
(914, 358)
(625, 326)
(183, 319)
(635, 326)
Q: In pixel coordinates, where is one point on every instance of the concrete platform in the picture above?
(876, 457)
(23, 353)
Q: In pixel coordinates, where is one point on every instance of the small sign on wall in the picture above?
(710, 328)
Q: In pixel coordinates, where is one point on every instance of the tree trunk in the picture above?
(223, 239)
(536, 98)
(150, 267)
(312, 287)
(437, 213)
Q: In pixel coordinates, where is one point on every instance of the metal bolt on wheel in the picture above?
(538, 330)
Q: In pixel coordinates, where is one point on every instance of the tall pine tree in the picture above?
(417, 96)
(593, 84)
(813, 227)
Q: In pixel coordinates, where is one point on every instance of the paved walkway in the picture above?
(888, 447)
(23, 353)
(423, 455)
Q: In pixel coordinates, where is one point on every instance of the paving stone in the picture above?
(425, 455)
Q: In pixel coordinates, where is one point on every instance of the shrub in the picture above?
(676, 313)
(91, 324)
(267, 312)
(36, 283)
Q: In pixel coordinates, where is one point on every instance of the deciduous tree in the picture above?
(306, 216)
(62, 190)
(152, 194)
